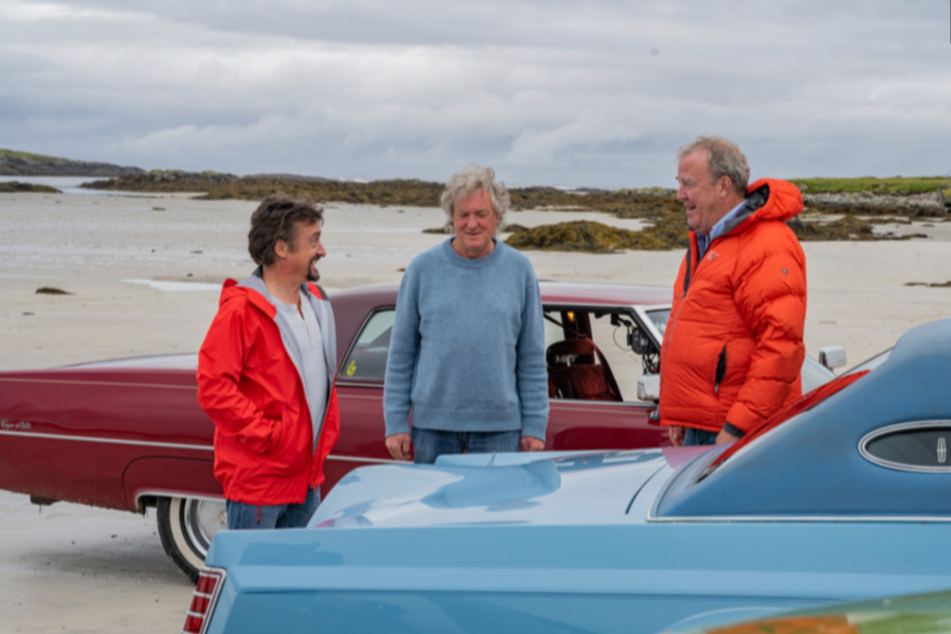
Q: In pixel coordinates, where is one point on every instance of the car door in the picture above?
(360, 397)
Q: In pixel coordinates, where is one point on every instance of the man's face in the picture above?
(306, 250)
(475, 220)
(702, 199)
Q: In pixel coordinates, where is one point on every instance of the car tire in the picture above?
(186, 526)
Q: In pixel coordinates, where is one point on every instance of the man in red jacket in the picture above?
(732, 351)
(266, 373)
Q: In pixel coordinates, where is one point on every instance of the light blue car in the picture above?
(846, 497)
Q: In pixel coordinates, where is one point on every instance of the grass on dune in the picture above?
(873, 185)
(27, 155)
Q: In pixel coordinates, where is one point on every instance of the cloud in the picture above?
(547, 92)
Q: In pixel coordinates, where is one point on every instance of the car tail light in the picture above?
(210, 582)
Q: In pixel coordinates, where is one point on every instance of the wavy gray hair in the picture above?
(465, 183)
(723, 159)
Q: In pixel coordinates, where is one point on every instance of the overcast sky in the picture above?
(552, 92)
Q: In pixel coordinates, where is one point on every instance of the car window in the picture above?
(591, 357)
(367, 358)
(920, 446)
(659, 318)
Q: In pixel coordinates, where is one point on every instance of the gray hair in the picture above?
(723, 159)
(465, 183)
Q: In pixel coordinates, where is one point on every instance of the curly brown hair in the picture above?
(276, 218)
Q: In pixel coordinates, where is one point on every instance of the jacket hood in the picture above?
(771, 199)
(254, 289)
(231, 289)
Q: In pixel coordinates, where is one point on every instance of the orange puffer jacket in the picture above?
(248, 385)
(733, 348)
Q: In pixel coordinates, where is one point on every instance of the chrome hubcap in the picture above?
(202, 519)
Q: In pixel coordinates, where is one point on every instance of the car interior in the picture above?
(596, 355)
(591, 355)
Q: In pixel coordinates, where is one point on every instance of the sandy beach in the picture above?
(143, 273)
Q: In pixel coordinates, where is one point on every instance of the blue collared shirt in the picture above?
(703, 242)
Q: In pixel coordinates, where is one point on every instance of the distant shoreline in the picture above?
(836, 209)
(13, 163)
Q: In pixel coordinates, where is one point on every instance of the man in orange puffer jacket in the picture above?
(733, 350)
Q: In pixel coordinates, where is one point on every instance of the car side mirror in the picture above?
(832, 357)
(638, 340)
(648, 387)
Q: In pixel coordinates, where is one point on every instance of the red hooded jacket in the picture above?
(733, 349)
(251, 389)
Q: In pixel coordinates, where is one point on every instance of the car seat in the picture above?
(577, 370)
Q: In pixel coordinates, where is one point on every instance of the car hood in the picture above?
(535, 488)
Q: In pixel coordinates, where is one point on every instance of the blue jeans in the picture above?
(430, 443)
(694, 436)
(249, 516)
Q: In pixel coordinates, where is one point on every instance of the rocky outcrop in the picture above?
(217, 186)
(165, 181)
(927, 205)
(25, 164)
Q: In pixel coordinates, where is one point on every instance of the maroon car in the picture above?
(128, 434)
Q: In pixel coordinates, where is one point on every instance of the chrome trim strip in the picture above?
(108, 383)
(166, 493)
(170, 445)
(373, 460)
(583, 405)
(898, 466)
(111, 441)
(837, 519)
(344, 382)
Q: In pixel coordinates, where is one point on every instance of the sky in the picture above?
(596, 93)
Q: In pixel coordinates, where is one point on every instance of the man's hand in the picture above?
(399, 446)
(676, 435)
(724, 438)
(530, 443)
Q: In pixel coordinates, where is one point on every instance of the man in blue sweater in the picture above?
(467, 351)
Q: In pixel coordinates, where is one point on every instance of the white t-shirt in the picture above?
(314, 371)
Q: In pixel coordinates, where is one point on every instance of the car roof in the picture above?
(604, 294)
(553, 292)
(811, 466)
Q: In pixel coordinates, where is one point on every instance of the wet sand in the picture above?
(115, 577)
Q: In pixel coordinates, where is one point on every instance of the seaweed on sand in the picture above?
(16, 187)
(667, 233)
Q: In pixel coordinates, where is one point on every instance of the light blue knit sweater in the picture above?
(467, 351)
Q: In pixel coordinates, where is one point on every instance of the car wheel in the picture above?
(186, 526)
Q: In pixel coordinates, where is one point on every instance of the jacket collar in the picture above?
(254, 288)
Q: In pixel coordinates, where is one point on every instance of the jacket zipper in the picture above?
(721, 371)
